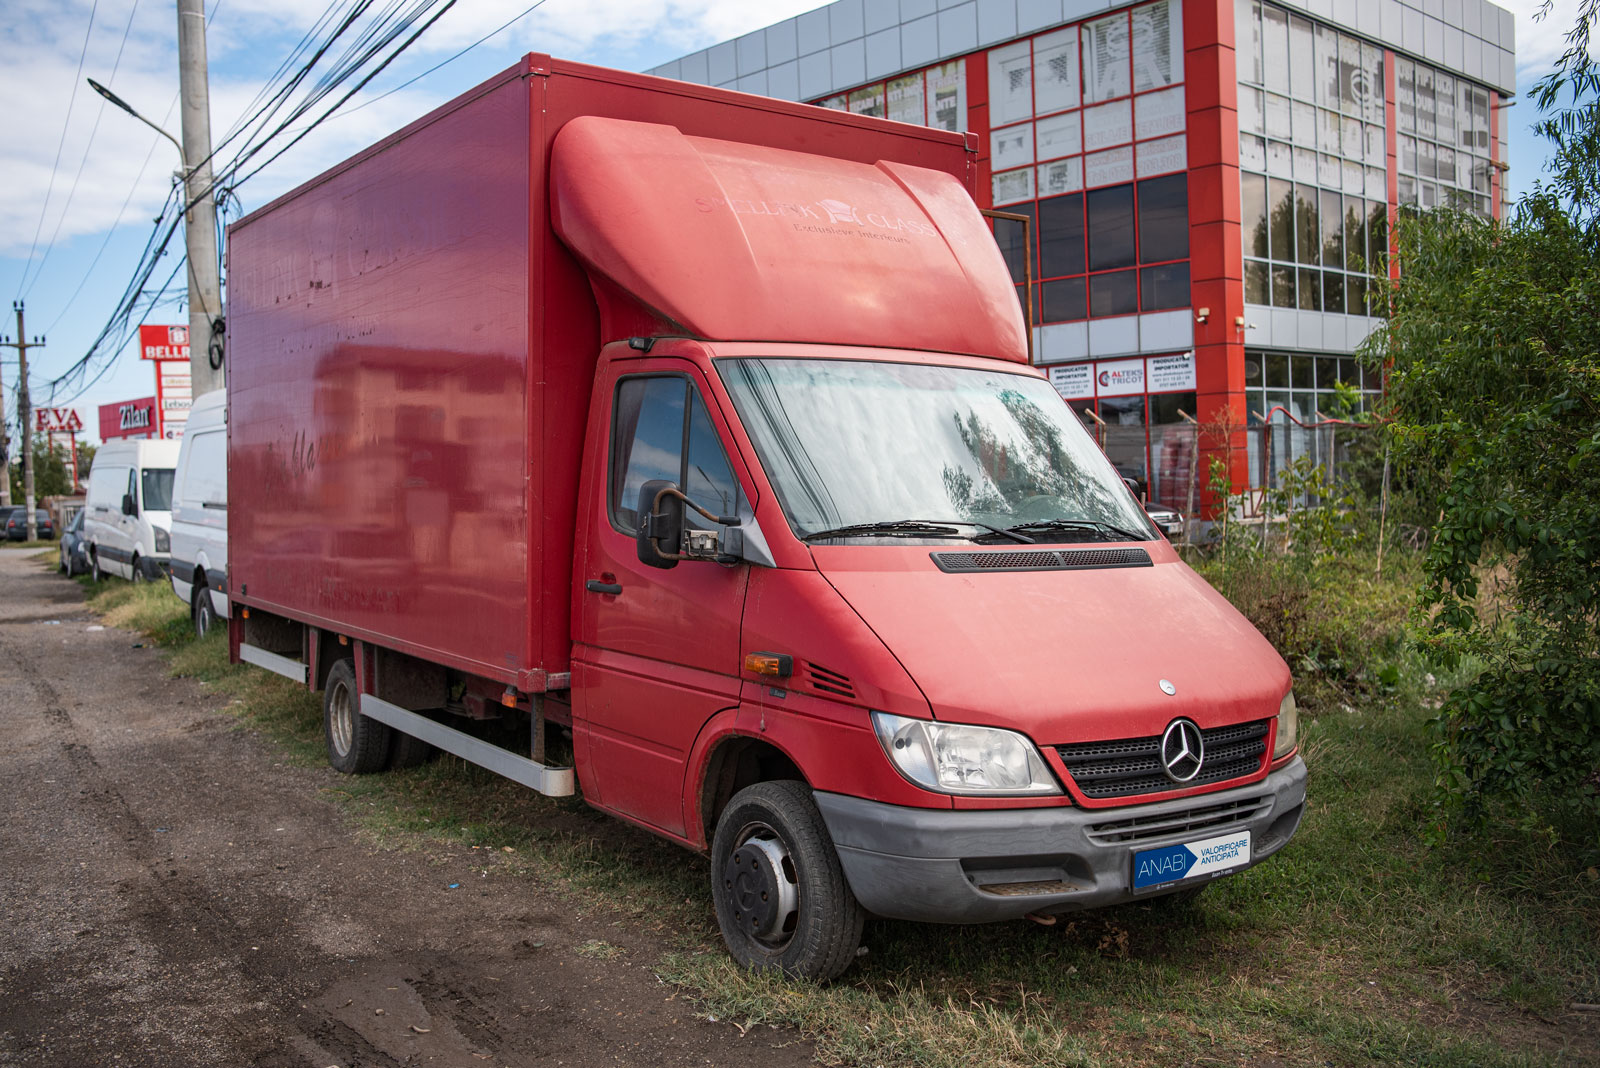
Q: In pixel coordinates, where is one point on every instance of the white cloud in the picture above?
(39, 60)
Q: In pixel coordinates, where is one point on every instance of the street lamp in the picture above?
(125, 106)
(200, 216)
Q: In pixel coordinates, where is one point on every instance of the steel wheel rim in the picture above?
(769, 848)
(341, 721)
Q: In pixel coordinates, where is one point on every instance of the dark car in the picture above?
(17, 523)
(74, 550)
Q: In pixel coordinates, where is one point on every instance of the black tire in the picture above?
(65, 567)
(781, 898)
(356, 745)
(200, 609)
(95, 572)
(136, 569)
(409, 752)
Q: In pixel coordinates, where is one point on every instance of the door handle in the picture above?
(596, 586)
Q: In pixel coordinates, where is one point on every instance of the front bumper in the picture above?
(981, 865)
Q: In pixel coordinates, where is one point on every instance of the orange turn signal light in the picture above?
(244, 613)
(509, 698)
(778, 665)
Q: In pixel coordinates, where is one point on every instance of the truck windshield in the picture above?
(869, 446)
(156, 484)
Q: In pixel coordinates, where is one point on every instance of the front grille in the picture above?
(1185, 822)
(1132, 766)
(1041, 560)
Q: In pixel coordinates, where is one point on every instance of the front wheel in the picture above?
(781, 898)
(138, 569)
(95, 571)
(202, 612)
(356, 745)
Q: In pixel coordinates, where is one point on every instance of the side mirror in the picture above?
(128, 506)
(660, 524)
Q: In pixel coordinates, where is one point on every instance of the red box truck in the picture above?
(682, 446)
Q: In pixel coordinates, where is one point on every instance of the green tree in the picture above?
(51, 474)
(1493, 352)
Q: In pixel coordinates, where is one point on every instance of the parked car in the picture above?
(74, 550)
(200, 513)
(130, 509)
(17, 523)
(1170, 520)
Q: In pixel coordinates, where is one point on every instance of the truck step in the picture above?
(551, 781)
(282, 665)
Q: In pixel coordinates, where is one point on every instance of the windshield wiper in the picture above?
(1107, 530)
(914, 528)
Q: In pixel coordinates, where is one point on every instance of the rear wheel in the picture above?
(409, 752)
(356, 745)
(201, 610)
(781, 898)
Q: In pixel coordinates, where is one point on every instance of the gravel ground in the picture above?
(174, 894)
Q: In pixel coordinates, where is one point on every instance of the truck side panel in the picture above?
(379, 391)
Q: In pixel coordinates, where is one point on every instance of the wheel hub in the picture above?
(759, 889)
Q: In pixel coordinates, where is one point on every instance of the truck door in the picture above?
(657, 651)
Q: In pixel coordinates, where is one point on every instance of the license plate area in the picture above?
(1195, 861)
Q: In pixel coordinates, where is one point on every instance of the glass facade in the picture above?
(1087, 140)
(1312, 155)
(1442, 142)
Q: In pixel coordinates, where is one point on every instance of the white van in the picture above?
(200, 513)
(129, 504)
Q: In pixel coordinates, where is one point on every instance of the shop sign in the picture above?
(1073, 380)
(1119, 378)
(128, 419)
(163, 342)
(1168, 374)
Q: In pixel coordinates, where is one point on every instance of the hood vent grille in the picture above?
(1042, 560)
(830, 682)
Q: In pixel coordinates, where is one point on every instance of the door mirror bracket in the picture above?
(663, 539)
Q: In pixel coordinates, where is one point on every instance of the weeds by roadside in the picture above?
(1359, 943)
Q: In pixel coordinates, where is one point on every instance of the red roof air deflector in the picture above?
(736, 242)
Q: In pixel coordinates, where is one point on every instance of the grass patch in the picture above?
(1359, 943)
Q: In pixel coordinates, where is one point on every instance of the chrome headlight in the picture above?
(163, 541)
(1288, 727)
(952, 758)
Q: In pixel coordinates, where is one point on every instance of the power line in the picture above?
(71, 100)
(503, 27)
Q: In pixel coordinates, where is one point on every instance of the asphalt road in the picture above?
(173, 894)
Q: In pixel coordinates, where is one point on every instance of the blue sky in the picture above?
(83, 181)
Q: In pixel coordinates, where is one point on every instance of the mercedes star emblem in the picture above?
(1182, 750)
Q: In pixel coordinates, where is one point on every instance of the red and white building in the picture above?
(1210, 184)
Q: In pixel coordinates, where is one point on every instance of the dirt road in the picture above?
(173, 895)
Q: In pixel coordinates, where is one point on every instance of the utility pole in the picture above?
(5, 454)
(200, 225)
(22, 345)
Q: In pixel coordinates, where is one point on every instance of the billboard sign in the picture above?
(163, 342)
(57, 421)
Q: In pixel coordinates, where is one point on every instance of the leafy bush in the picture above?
(1493, 356)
